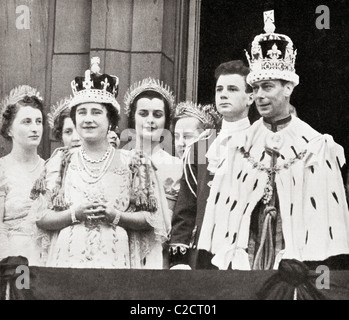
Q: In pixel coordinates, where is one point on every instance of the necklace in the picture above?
(101, 159)
(94, 178)
(268, 190)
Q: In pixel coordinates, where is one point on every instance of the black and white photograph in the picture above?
(171, 154)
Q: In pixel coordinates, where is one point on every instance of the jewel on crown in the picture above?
(95, 87)
(272, 55)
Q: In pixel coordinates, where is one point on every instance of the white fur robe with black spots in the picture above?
(313, 207)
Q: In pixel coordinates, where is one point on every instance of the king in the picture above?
(281, 196)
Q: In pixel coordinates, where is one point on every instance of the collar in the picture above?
(277, 125)
(230, 127)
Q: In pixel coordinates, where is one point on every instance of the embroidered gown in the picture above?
(169, 171)
(99, 244)
(18, 236)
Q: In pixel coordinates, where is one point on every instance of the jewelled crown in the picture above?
(145, 85)
(17, 94)
(206, 114)
(57, 109)
(95, 87)
(272, 55)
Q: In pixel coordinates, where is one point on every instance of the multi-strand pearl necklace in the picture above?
(101, 159)
(94, 178)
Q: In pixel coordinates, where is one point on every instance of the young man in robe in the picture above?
(233, 99)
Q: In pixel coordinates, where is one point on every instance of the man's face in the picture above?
(270, 97)
(186, 131)
(232, 101)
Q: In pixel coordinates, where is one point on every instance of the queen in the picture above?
(95, 198)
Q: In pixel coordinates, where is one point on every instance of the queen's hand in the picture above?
(89, 211)
(102, 210)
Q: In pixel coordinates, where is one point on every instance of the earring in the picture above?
(109, 129)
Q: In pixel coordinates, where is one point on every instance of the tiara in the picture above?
(145, 85)
(272, 55)
(95, 87)
(56, 110)
(17, 94)
(204, 113)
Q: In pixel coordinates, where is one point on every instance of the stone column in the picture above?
(23, 42)
(135, 39)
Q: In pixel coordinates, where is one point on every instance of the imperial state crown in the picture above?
(272, 55)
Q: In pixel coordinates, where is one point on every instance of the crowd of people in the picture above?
(197, 187)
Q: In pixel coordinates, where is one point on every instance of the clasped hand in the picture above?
(95, 211)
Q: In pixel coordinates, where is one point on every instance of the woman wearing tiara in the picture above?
(94, 196)
(21, 123)
(149, 105)
(62, 125)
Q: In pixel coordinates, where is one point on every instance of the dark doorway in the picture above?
(322, 97)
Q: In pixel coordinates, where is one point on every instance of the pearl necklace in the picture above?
(101, 159)
(94, 178)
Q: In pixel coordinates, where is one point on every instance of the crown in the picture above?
(272, 55)
(145, 85)
(95, 87)
(56, 110)
(206, 114)
(17, 94)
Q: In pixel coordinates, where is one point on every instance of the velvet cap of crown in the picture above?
(95, 87)
(272, 55)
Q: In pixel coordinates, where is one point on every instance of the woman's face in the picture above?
(150, 118)
(92, 122)
(26, 129)
(70, 136)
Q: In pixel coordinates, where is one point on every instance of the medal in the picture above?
(274, 141)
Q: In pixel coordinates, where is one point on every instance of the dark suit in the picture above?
(189, 211)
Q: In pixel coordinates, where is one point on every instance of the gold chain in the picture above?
(268, 190)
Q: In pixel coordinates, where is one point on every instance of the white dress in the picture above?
(93, 245)
(169, 170)
(18, 235)
(101, 244)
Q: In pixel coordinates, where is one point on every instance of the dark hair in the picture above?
(11, 112)
(57, 130)
(233, 67)
(112, 115)
(150, 95)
